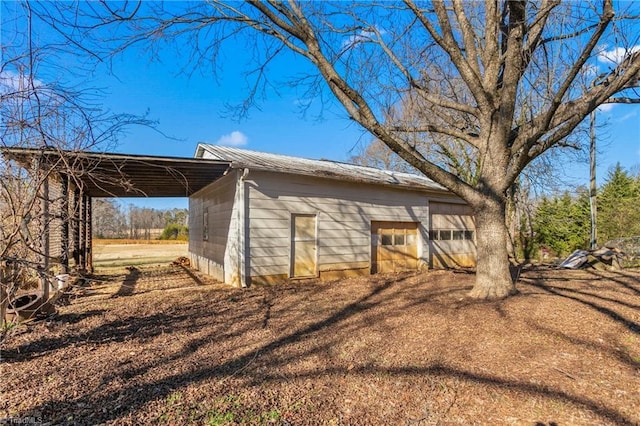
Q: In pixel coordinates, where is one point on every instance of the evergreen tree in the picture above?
(619, 205)
(562, 223)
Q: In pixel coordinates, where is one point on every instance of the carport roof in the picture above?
(124, 175)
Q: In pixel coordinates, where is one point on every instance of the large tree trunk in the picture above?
(493, 279)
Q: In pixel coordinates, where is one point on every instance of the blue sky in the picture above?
(194, 108)
(191, 108)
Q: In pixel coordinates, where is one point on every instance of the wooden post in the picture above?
(88, 256)
(81, 233)
(76, 227)
(64, 217)
(45, 238)
(4, 296)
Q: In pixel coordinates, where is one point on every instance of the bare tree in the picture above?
(39, 112)
(378, 155)
(508, 80)
(108, 219)
(142, 220)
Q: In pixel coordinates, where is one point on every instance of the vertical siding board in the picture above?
(75, 225)
(64, 219)
(55, 219)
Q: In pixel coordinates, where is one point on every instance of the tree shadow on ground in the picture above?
(618, 278)
(266, 361)
(582, 296)
(128, 286)
(614, 352)
(76, 318)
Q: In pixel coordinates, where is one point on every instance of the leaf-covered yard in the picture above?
(167, 346)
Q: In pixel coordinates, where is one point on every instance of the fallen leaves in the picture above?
(390, 348)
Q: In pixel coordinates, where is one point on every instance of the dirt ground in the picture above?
(168, 346)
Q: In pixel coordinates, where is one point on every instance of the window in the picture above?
(205, 224)
(450, 234)
(395, 237)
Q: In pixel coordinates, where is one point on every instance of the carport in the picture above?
(68, 180)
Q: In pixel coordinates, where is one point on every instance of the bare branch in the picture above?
(621, 100)
(605, 19)
(447, 42)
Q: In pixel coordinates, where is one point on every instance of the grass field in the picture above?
(128, 241)
(117, 253)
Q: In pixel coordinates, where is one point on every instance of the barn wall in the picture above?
(50, 223)
(344, 213)
(216, 255)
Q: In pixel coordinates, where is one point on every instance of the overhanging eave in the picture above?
(124, 175)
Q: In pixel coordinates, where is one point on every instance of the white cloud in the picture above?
(361, 37)
(606, 107)
(235, 138)
(590, 70)
(617, 54)
(11, 81)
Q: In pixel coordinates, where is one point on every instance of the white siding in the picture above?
(218, 255)
(250, 223)
(345, 211)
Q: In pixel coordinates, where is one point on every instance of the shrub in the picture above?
(173, 231)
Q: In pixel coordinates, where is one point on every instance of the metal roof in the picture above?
(242, 158)
(123, 175)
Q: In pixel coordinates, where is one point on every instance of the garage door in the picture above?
(451, 236)
(394, 246)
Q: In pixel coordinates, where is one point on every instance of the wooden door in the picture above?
(303, 246)
(394, 246)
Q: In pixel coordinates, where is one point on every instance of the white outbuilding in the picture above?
(272, 218)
